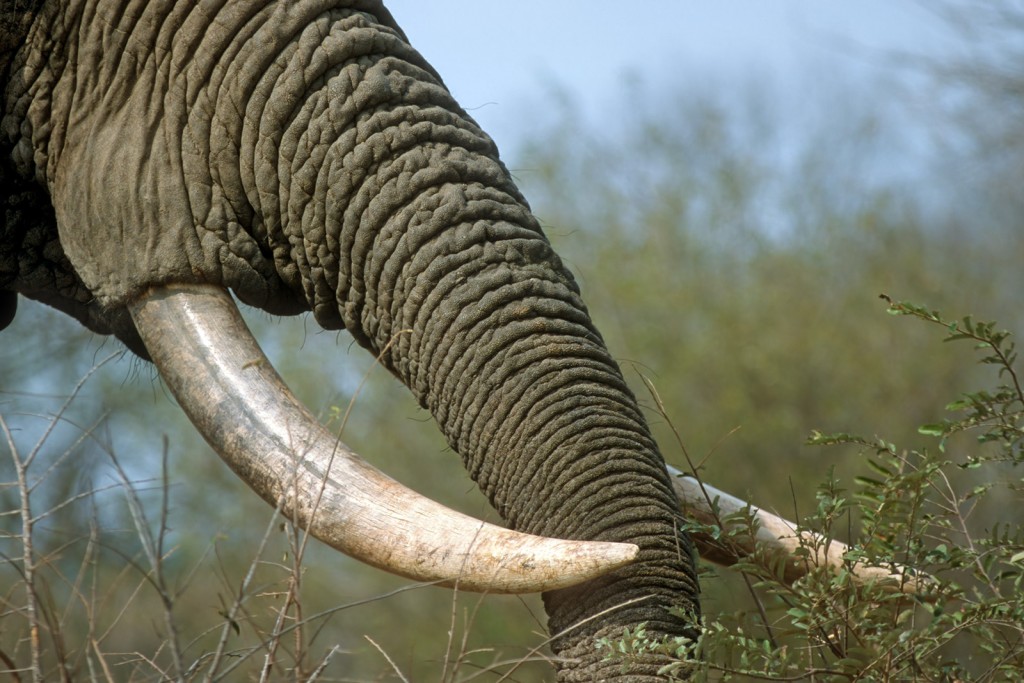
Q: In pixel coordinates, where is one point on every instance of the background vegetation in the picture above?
(729, 253)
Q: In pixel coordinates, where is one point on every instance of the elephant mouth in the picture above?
(234, 397)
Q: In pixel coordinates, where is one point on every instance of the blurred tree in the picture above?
(748, 288)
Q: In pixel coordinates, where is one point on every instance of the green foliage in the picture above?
(952, 522)
(635, 643)
(995, 414)
(745, 289)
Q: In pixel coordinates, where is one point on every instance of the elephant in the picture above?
(301, 155)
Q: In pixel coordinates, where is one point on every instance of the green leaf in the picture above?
(879, 468)
(959, 404)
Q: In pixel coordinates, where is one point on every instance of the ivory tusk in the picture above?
(235, 398)
(777, 539)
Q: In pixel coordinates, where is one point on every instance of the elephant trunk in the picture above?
(303, 155)
(407, 230)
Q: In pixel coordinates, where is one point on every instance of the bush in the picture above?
(948, 516)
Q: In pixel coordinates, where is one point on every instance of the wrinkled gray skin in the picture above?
(302, 154)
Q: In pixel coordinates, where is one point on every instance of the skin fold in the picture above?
(303, 155)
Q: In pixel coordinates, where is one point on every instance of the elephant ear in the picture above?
(33, 262)
(220, 376)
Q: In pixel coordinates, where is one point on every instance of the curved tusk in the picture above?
(235, 398)
(776, 540)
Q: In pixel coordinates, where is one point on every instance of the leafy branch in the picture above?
(998, 412)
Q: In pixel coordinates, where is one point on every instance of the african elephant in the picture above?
(157, 153)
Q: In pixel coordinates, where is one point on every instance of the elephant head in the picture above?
(157, 153)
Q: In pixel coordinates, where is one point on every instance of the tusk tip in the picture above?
(591, 559)
(545, 564)
(606, 556)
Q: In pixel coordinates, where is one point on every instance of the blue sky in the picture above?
(499, 57)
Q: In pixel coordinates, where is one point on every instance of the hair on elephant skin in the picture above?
(305, 157)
